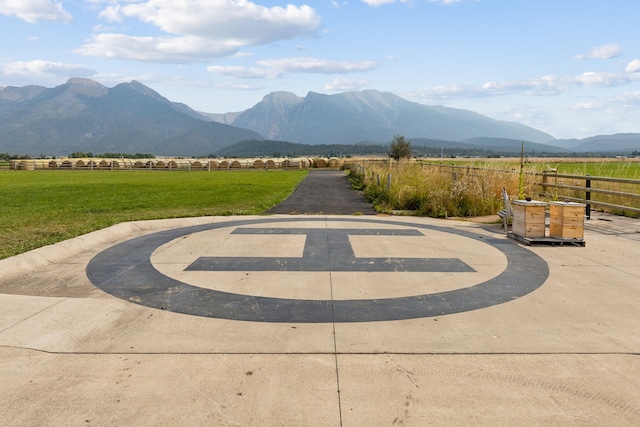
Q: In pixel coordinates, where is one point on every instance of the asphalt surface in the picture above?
(325, 192)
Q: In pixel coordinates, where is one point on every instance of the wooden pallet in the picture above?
(546, 240)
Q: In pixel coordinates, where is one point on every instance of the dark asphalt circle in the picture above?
(125, 271)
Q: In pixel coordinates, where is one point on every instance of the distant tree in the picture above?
(143, 156)
(80, 154)
(400, 148)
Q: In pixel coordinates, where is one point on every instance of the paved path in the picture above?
(325, 192)
(390, 321)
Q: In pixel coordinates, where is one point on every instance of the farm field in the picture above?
(609, 167)
(45, 207)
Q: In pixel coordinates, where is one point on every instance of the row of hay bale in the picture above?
(175, 164)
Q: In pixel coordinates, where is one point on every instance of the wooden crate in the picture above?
(528, 218)
(566, 220)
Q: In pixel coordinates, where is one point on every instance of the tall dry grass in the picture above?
(440, 190)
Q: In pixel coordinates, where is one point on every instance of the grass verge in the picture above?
(42, 208)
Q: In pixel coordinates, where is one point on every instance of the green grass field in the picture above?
(45, 207)
(612, 168)
(609, 167)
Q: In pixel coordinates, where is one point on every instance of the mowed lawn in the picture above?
(38, 208)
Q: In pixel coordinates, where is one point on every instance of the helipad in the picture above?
(307, 270)
(320, 320)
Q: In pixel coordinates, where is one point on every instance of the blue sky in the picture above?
(567, 67)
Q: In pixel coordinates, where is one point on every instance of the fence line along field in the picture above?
(45, 207)
(609, 166)
(473, 187)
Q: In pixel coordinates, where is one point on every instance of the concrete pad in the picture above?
(28, 306)
(75, 350)
(388, 390)
(165, 390)
(115, 326)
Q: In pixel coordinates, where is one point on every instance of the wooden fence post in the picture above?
(588, 198)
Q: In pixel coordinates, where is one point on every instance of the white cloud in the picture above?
(243, 72)
(599, 116)
(157, 49)
(606, 51)
(587, 106)
(541, 86)
(447, 91)
(111, 14)
(378, 3)
(315, 65)
(633, 66)
(602, 79)
(533, 116)
(340, 84)
(546, 85)
(632, 98)
(199, 30)
(226, 19)
(42, 69)
(98, 2)
(33, 11)
(276, 68)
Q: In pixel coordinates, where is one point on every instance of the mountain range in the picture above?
(370, 115)
(85, 116)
